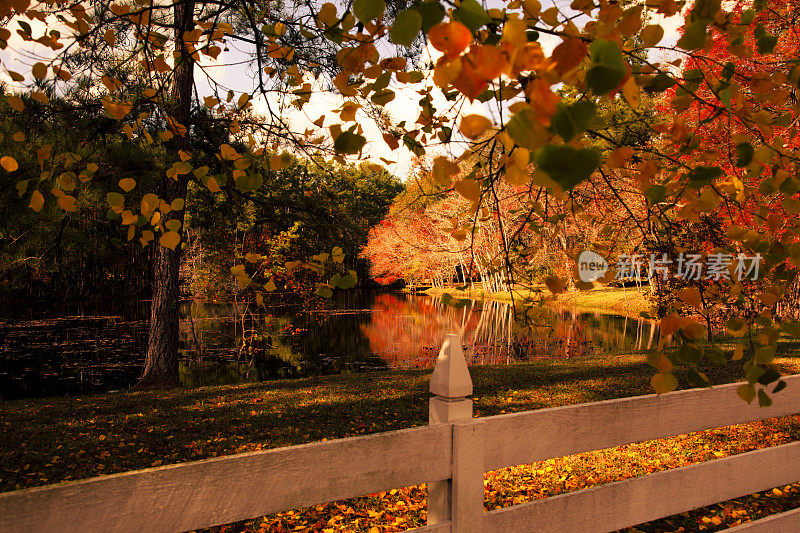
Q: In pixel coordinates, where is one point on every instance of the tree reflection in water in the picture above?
(87, 350)
(408, 331)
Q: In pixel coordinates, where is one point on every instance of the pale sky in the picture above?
(20, 55)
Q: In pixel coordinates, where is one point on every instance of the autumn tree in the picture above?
(546, 117)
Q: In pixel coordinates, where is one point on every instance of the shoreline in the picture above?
(625, 302)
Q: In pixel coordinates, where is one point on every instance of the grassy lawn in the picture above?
(49, 440)
(620, 301)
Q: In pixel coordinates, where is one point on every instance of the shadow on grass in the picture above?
(53, 439)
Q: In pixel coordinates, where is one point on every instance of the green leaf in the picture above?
(383, 97)
(744, 154)
(349, 143)
(567, 165)
(520, 127)
(769, 376)
(693, 75)
(324, 291)
(736, 326)
(695, 36)
(573, 120)
(764, 354)
(697, 379)
(660, 83)
(21, 186)
(346, 282)
(655, 193)
(413, 145)
(754, 373)
(716, 355)
(115, 199)
(728, 71)
(763, 399)
(367, 10)
(690, 354)
(664, 382)
(704, 175)
(766, 44)
(779, 387)
(432, 14)
(608, 68)
(406, 27)
(25, 27)
(472, 15)
(746, 392)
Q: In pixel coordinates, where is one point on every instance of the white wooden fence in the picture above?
(451, 455)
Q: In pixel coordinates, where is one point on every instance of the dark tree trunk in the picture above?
(161, 360)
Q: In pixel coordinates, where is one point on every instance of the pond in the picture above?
(82, 349)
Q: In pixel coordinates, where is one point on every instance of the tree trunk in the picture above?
(161, 360)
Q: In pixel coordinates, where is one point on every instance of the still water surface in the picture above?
(95, 348)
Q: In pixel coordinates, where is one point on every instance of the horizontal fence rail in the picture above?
(559, 431)
(450, 455)
(788, 521)
(641, 499)
(227, 489)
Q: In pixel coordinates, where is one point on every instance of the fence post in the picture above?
(456, 499)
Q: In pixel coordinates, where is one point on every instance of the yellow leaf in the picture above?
(116, 110)
(664, 382)
(19, 136)
(469, 189)
(177, 204)
(16, 103)
(67, 203)
(212, 185)
(244, 99)
(170, 240)
(554, 284)
(37, 201)
(8, 163)
(127, 184)
(173, 225)
(444, 170)
(39, 70)
(630, 91)
(738, 353)
(651, 35)
(228, 152)
(40, 97)
(112, 84)
(473, 126)
(270, 286)
(67, 181)
(691, 296)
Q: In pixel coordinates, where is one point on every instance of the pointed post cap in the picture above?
(451, 377)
